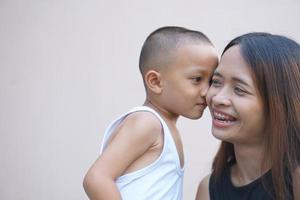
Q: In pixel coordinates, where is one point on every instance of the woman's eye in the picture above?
(239, 91)
(215, 82)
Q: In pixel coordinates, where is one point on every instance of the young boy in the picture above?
(141, 154)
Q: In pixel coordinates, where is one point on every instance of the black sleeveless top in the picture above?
(260, 189)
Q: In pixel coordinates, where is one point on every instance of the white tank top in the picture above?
(162, 179)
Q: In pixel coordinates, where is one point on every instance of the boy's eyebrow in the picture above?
(197, 70)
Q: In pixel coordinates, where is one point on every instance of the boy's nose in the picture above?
(204, 90)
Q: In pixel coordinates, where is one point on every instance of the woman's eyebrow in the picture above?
(236, 79)
(217, 74)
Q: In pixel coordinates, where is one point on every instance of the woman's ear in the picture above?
(153, 81)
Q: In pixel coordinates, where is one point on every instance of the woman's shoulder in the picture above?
(296, 183)
(203, 189)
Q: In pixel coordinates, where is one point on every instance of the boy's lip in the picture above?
(202, 104)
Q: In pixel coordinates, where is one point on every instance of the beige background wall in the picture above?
(69, 67)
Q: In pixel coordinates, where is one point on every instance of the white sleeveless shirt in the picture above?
(162, 179)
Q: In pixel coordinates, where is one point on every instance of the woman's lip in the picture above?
(222, 119)
(215, 111)
(222, 124)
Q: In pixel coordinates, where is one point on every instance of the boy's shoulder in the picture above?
(143, 120)
(141, 124)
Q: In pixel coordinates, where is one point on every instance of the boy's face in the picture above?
(186, 81)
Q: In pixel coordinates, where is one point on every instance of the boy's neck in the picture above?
(169, 117)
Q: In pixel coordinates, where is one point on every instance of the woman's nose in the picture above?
(222, 97)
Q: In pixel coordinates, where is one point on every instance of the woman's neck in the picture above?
(250, 164)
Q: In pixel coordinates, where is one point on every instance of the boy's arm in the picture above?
(203, 189)
(133, 138)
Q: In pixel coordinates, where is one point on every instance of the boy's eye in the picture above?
(197, 79)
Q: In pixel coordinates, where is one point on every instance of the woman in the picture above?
(254, 100)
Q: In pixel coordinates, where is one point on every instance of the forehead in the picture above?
(232, 65)
(195, 57)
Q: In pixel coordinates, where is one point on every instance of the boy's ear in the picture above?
(153, 81)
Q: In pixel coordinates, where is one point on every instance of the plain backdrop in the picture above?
(69, 67)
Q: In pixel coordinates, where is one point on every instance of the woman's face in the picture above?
(234, 102)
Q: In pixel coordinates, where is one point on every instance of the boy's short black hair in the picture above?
(162, 42)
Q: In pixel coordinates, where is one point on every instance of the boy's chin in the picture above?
(194, 116)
